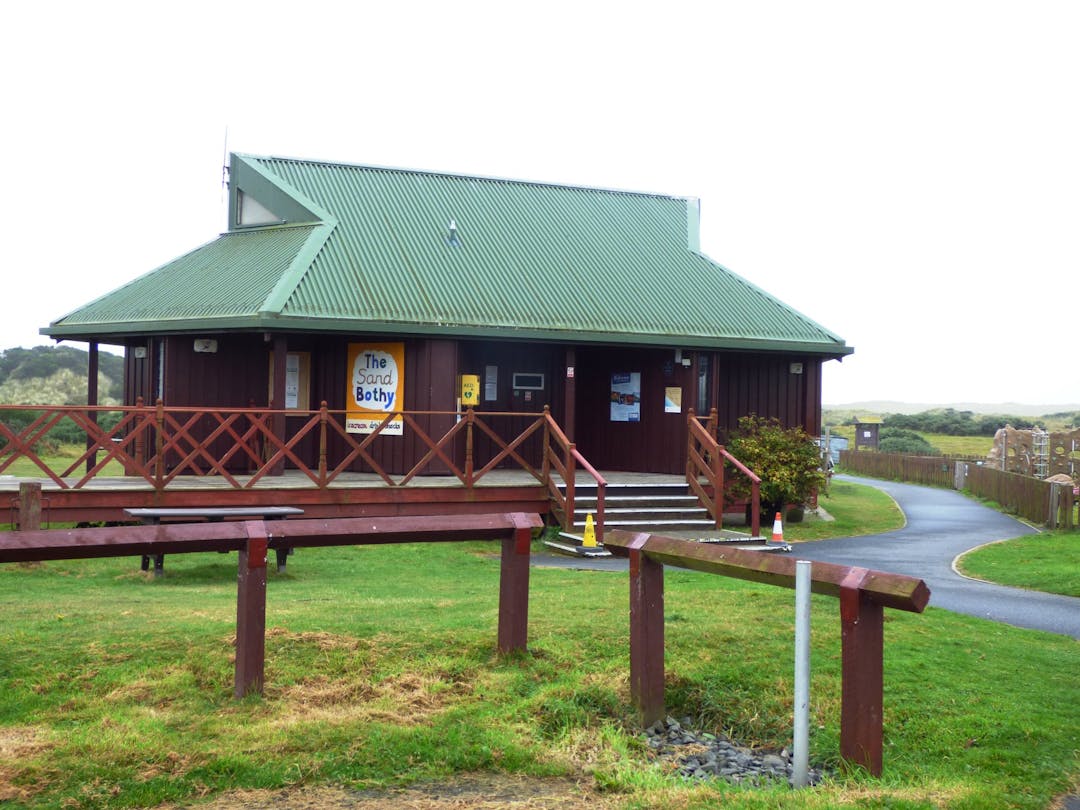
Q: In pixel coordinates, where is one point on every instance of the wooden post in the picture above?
(251, 612)
(281, 349)
(646, 633)
(862, 680)
(322, 444)
(570, 399)
(91, 401)
(514, 590)
(140, 428)
(159, 444)
(29, 506)
(469, 447)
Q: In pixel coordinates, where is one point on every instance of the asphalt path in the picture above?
(941, 525)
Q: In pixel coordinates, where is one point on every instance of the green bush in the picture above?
(787, 460)
(897, 440)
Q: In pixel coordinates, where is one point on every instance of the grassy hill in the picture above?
(56, 375)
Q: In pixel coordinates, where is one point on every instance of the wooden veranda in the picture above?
(162, 457)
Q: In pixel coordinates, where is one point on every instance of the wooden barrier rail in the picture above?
(253, 538)
(863, 595)
(160, 444)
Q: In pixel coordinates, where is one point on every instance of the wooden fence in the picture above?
(1035, 500)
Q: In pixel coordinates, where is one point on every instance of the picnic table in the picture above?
(214, 514)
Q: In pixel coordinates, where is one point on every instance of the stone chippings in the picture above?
(701, 755)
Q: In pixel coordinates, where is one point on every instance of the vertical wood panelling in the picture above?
(657, 443)
(765, 385)
(509, 358)
(237, 374)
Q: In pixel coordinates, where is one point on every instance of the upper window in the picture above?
(250, 212)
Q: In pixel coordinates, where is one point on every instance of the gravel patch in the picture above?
(701, 755)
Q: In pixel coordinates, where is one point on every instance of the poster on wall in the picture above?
(626, 397)
(292, 380)
(672, 400)
(376, 387)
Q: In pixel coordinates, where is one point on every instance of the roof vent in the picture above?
(453, 239)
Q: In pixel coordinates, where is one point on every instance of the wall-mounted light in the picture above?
(205, 345)
(795, 368)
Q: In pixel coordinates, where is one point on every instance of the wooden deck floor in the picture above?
(293, 479)
(350, 495)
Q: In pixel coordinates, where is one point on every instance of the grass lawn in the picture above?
(960, 445)
(856, 510)
(1049, 562)
(25, 468)
(116, 688)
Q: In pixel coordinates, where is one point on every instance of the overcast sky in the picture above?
(906, 174)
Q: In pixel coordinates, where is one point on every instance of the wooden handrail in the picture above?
(704, 459)
(862, 594)
(159, 444)
(567, 469)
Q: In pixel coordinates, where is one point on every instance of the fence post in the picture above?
(159, 443)
(514, 591)
(469, 417)
(322, 444)
(139, 424)
(646, 633)
(29, 506)
(251, 612)
(862, 679)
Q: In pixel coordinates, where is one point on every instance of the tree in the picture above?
(787, 460)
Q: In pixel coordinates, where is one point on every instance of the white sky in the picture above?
(907, 174)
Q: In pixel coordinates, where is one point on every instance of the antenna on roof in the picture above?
(225, 164)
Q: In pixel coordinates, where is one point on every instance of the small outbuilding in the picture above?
(866, 432)
(378, 290)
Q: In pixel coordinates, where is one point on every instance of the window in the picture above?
(297, 380)
(250, 212)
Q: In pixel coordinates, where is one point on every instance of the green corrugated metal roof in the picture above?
(221, 282)
(530, 260)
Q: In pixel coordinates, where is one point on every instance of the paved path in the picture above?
(940, 525)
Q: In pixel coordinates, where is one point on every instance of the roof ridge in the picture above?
(461, 176)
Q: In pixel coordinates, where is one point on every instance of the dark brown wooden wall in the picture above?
(739, 384)
(655, 444)
(509, 358)
(764, 384)
(430, 377)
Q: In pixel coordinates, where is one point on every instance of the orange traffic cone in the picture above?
(777, 529)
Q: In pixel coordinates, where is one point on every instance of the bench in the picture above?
(213, 514)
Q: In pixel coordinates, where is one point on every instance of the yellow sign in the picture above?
(376, 387)
(470, 389)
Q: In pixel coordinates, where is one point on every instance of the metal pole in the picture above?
(802, 674)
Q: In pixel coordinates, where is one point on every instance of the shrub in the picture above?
(896, 440)
(787, 460)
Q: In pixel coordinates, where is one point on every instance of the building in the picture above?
(376, 290)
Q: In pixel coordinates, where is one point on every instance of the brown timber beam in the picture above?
(253, 538)
(863, 595)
